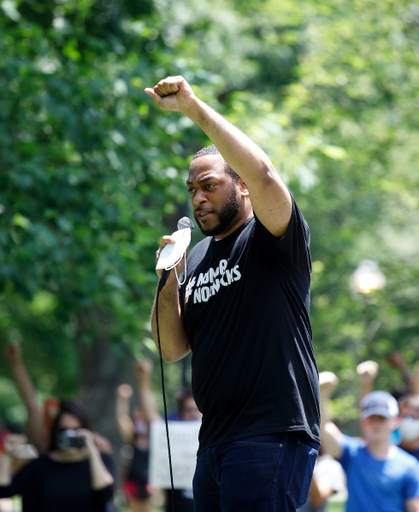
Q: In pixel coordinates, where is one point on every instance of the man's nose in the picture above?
(199, 197)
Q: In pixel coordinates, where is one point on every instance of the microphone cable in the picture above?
(183, 223)
(162, 282)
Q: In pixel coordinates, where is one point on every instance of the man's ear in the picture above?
(244, 191)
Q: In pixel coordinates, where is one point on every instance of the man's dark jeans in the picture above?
(269, 473)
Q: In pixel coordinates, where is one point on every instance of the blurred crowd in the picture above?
(62, 464)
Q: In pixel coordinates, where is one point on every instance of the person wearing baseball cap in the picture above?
(381, 477)
(378, 403)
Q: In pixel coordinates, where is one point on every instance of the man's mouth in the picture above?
(203, 214)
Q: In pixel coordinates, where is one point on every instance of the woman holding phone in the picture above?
(72, 476)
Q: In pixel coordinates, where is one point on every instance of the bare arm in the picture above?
(269, 196)
(37, 431)
(6, 460)
(319, 493)
(397, 360)
(330, 434)
(147, 401)
(6, 469)
(367, 372)
(124, 422)
(414, 380)
(100, 476)
(173, 340)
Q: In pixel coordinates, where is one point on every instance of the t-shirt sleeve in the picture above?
(293, 247)
(350, 447)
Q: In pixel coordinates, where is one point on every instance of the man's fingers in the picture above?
(164, 241)
(156, 97)
(166, 88)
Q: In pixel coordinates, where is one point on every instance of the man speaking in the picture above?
(243, 311)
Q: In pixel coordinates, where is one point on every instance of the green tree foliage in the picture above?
(91, 173)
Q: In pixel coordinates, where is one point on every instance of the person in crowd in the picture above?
(243, 310)
(134, 431)
(6, 504)
(187, 410)
(407, 434)
(39, 419)
(409, 424)
(380, 476)
(72, 476)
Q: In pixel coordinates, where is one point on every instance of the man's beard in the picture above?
(225, 216)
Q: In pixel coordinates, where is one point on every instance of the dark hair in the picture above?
(213, 150)
(411, 401)
(73, 408)
(181, 396)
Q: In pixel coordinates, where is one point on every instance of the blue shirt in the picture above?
(378, 485)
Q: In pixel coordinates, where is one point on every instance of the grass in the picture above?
(336, 506)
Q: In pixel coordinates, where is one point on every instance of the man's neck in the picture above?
(381, 450)
(243, 219)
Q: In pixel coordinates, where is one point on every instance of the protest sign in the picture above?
(183, 437)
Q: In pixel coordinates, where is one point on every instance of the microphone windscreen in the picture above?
(184, 223)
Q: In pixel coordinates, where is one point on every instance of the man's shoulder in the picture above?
(199, 249)
(405, 458)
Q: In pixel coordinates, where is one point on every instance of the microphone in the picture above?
(172, 254)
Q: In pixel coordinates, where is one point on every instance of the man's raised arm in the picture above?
(270, 198)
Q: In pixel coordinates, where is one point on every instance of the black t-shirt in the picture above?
(246, 305)
(138, 470)
(50, 486)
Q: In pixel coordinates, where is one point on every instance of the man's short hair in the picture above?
(213, 150)
(411, 401)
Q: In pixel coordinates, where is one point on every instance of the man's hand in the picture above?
(13, 353)
(367, 371)
(173, 93)
(167, 239)
(328, 381)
